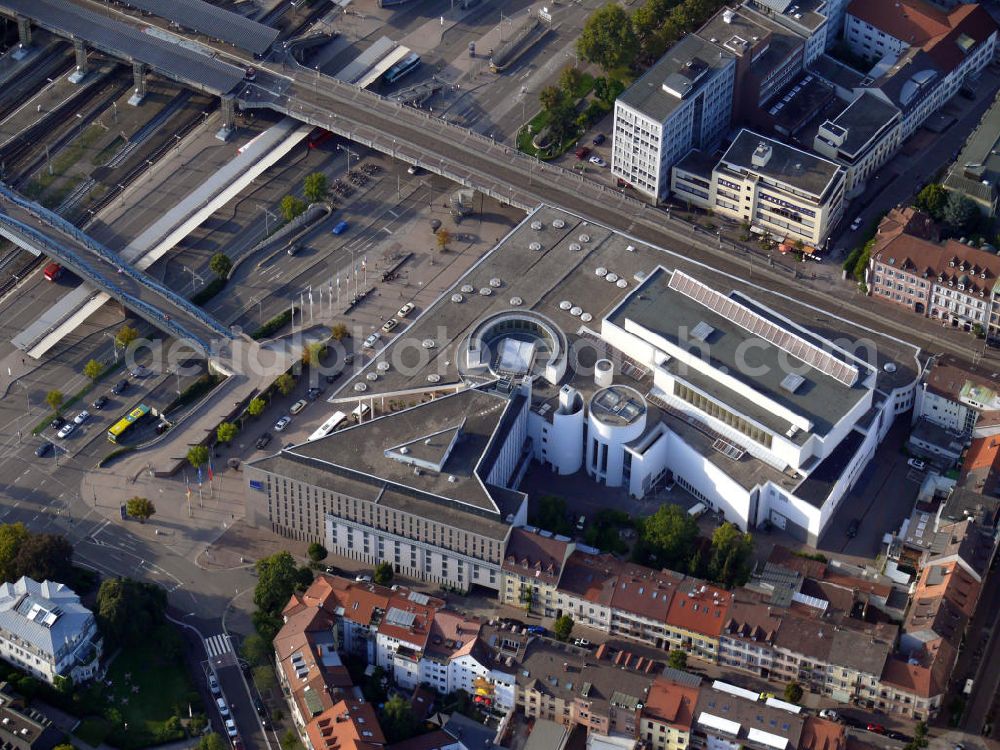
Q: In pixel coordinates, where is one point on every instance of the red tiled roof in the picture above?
(983, 460)
(928, 677)
(348, 725)
(670, 703)
(947, 37)
(952, 582)
(947, 378)
(752, 621)
(700, 608)
(952, 261)
(820, 734)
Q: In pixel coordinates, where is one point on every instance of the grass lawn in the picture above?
(148, 687)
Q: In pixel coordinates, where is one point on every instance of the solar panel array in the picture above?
(750, 321)
(214, 22)
(119, 39)
(400, 618)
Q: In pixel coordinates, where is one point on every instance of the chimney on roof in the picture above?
(728, 16)
(761, 155)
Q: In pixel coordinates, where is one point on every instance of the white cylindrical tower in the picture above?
(565, 438)
(604, 372)
(617, 417)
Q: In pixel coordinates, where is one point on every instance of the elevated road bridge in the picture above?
(40, 231)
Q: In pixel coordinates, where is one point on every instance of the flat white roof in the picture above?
(725, 687)
(717, 722)
(766, 738)
(783, 705)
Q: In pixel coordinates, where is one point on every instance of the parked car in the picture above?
(66, 431)
(313, 393)
(363, 578)
(213, 685)
(595, 159)
(294, 248)
(57, 422)
(372, 340)
(536, 630)
(100, 402)
(853, 526)
(44, 449)
(599, 139)
(876, 728)
(582, 643)
(299, 406)
(259, 707)
(82, 417)
(855, 224)
(282, 423)
(223, 708)
(389, 325)
(263, 440)
(829, 713)
(120, 387)
(405, 310)
(413, 169)
(141, 372)
(894, 735)
(916, 463)
(341, 227)
(231, 728)
(582, 153)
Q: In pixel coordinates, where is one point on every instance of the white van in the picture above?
(360, 412)
(697, 510)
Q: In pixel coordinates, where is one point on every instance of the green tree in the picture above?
(383, 573)
(563, 627)
(290, 741)
(267, 624)
(44, 557)
(731, 559)
(197, 455)
(263, 677)
(292, 207)
(64, 747)
(211, 741)
(312, 353)
(126, 335)
(339, 332)
(670, 535)
(54, 399)
(285, 383)
(551, 97)
(256, 406)
(606, 90)
(793, 692)
(608, 39)
(570, 79)
(12, 536)
(256, 650)
(226, 432)
(277, 576)
(93, 369)
(128, 611)
(398, 722)
(304, 576)
(220, 264)
(960, 213)
(140, 507)
(550, 514)
(932, 199)
(315, 187)
(317, 552)
(677, 659)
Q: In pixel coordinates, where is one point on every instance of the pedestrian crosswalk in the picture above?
(217, 645)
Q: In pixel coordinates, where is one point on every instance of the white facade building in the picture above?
(684, 101)
(45, 631)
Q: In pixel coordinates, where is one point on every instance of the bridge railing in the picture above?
(60, 224)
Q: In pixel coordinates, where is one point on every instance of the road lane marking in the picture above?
(217, 645)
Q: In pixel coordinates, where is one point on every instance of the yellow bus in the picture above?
(122, 426)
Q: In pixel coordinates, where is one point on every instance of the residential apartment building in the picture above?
(949, 281)
(791, 194)
(698, 613)
(533, 563)
(666, 720)
(684, 101)
(24, 728)
(747, 640)
(861, 138)
(956, 397)
(47, 632)
(924, 55)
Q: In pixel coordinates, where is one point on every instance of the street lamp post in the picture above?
(349, 155)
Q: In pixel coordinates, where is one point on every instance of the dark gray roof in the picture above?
(121, 40)
(863, 119)
(836, 72)
(800, 169)
(210, 20)
(821, 398)
(816, 488)
(353, 461)
(686, 66)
